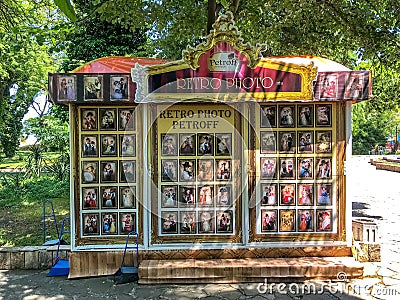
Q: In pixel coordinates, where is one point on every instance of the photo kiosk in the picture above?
(224, 154)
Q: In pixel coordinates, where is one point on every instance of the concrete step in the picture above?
(248, 270)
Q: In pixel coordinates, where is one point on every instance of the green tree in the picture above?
(26, 63)
(93, 38)
(347, 31)
(329, 28)
(371, 127)
(27, 44)
(52, 134)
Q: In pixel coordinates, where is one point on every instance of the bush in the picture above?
(33, 191)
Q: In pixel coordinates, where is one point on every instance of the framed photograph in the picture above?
(90, 224)
(108, 144)
(89, 119)
(187, 196)
(89, 146)
(268, 142)
(67, 88)
(127, 171)
(127, 222)
(187, 144)
(205, 144)
(306, 168)
(305, 115)
(268, 116)
(269, 194)
(287, 116)
(323, 141)
(108, 119)
(324, 219)
(328, 88)
(127, 145)
(187, 169)
(268, 167)
(269, 220)
(288, 193)
(127, 197)
(169, 169)
(169, 195)
(305, 220)
(305, 194)
(306, 142)
(324, 192)
(119, 87)
(90, 198)
(108, 171)
(354, 86)
(126, 119)
(287, 142)
(206, 222)
(287, 168)
(90, 172)
(169, 221)
(108, 197)
(206, 195)
(93, 87)
(224, 144)
(287, 220)
(224, 221)
(205, 169)
(169, 144)
(224, 167)
(323, 168)
(323, 115)
(188, 222)
(224, 195)
(109, 223)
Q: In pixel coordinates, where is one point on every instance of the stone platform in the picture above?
(248, 270)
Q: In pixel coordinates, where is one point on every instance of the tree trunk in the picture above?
(211, 13)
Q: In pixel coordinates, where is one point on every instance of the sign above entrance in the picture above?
(224, 68)
(223, 62)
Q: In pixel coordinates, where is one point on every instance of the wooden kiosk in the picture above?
(231, 167)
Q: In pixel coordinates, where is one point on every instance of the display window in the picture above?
(196, 185)
(297, 163)
(108, 185)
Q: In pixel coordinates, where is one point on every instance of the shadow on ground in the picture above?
(35, 285)
(361, 209)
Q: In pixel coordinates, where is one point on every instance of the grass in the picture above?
(23, 225)
(21, 204)
(19, 159)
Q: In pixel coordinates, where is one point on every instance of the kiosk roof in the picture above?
(123, 64)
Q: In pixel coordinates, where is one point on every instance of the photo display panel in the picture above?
(108, 186)
(196, 171)
(296, 165)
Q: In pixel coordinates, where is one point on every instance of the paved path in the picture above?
(34, 285)
(376, 194)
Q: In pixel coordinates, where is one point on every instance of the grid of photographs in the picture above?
(296, 187)
(195, 191)
(108, 184)
(96, 88)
